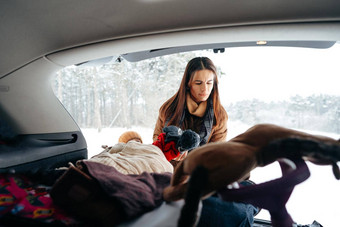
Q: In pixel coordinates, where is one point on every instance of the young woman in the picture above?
(196, 105)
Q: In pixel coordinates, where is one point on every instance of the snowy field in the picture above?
(315, 199)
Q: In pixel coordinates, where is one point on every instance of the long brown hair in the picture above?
(173, 108)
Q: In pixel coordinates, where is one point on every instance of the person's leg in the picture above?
(216, 212)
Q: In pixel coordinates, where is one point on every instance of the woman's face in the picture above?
(201, 85)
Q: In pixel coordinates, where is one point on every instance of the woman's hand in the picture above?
(181, 156)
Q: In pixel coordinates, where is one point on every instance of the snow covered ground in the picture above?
(315, 199)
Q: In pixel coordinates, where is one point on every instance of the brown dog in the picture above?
(232, 161)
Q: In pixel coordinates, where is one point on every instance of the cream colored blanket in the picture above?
(134, 158)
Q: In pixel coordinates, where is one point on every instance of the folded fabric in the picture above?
(102, 196)
(134, 158)
(136, 194)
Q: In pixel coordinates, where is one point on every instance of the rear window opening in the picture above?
(289, 86)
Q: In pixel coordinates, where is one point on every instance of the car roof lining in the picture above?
(33, 29)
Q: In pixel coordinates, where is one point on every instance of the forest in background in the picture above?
(120, 93)
(316, 112)
(125, 94)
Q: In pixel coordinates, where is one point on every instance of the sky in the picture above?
(270, 74)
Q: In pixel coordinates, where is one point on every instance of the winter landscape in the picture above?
(292, 87)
